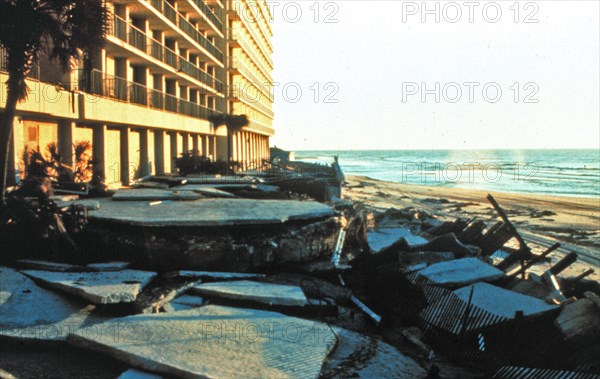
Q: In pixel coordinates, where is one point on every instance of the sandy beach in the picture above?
(542, 220)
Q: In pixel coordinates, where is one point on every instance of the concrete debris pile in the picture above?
(475, 300)
(222, 277)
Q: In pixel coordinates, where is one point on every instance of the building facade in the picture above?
(167, 66)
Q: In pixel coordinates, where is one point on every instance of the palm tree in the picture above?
(233, 124)
(64, 30)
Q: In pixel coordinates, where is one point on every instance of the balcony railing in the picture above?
(140, 40)
(251, 100)
(101, 84)
(237, 35)
(3, 60)
(209, 14)
(187, 27)
(261, 41)
(250, 74)
(34, 73)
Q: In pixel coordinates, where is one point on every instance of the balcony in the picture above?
(261, 41)
(238, 65)
(141, 41)
(237, 36)
(34, 73)
(184, 25)
(101, 84)
(262, 21)
(241, 95)
(209, 14)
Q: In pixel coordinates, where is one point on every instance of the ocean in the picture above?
(548, 172)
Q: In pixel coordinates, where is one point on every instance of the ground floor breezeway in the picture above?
(124, 153)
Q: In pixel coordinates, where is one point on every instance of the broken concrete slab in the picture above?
(150, 194)
(490, 305)
(98, 287)
(216, 342)
(214, 275)
(46, 265)
(502, 302)
(360, 356)
(199, 187)
(143, 194)
(108, 266)
(245, 290)
(211, 212)
(460, 272)
(186, 302)
(446, 242)
(267, 188)
(88, 204)
(137, 374)
(213, 192)
(384, 237)
(216, 179)
(151, 184)
(33, 313)
(579, 321)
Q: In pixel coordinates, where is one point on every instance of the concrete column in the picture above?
(239, 147)
(145, 168)
(125, 157)
(254, 150)
(99, 150)
(186, 142)
(66, 133)
(206, 146)
(195, 145)
(159, 152)
(249, 146)
(267, 149)
(246, 148)
(215, 152)
(174, 150)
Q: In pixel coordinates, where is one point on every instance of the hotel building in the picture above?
(167, 66)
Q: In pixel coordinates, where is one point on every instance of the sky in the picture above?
(436, 75)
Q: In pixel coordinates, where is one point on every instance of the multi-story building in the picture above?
(167, 66)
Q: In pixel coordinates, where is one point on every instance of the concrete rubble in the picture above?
(213, 192)
(245, 290)
(502, 302)
(196, 343)
(46, 265)
(215, 276)
(247, 278)
(360, 356)
(146, 194)
(97, 287)
(186, 302)
(461, 272)
(108, 266)
(384, 237)
(29, 312)
(210, 212)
